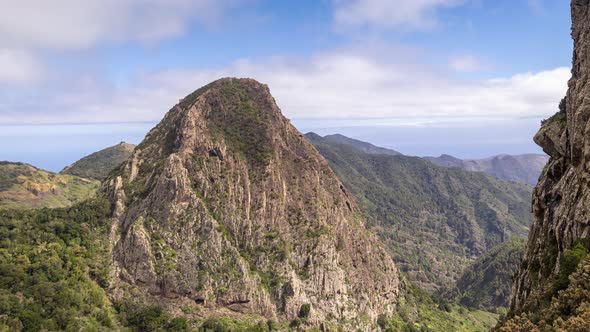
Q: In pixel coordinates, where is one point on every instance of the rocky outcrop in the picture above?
(561, 200)
(227, 209)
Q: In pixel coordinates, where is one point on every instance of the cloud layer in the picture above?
(329, 85)
(75, 24)
(405, 14)
(18, 66)
(333, 84)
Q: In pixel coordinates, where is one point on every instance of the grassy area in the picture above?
(23, 186)
(99, 164)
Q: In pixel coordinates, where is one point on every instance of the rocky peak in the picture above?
(227, 209)
(561, 200)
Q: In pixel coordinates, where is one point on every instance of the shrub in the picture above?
(569, 263)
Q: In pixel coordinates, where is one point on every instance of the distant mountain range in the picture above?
(524, 168)
(435, 220)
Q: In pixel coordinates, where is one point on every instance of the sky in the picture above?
(470, 78)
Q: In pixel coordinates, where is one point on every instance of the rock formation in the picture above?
(227, 209)
(561, 200)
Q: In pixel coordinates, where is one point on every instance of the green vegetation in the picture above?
(225, 324)
(486, 284)
(569, 310)
(23, 186)
(151, 318)
(570, 261)
(435, 220)
(242, 122)
(52, 267)
(99, 164)
(548, 283)
(559, 117)
(420, 311)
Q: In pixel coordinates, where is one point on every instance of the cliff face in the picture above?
(561, 200)
(226, 209)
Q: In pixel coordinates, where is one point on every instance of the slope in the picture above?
(436, 221)
(23, 186)
(360, 145)
(552, 288)
(99, 164)
(487, 283)
(525, 168)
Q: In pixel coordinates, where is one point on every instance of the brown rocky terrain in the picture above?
(546, 295)
(226, 209)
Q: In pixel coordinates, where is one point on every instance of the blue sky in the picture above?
(424, 76)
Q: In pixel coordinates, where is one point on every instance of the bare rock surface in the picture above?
(561, 200)
(226, 208)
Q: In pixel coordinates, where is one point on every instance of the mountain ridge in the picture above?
(524, 168)
(283, 245)
(99, 164)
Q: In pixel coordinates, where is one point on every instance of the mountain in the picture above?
(360, 145)
(23, 186)
(552, 288)
(99, 164)
(223, 219)
(525, 168)
(226, 209)
(435, 220)
(486, 284)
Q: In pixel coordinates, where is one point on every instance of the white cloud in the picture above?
(77, 24)
(467, 63)
(18, 66)
(330, 85)
(404, 14)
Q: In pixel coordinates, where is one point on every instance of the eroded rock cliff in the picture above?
(561, 200)
(225, 209)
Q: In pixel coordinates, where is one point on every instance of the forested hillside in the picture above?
(435, 220)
